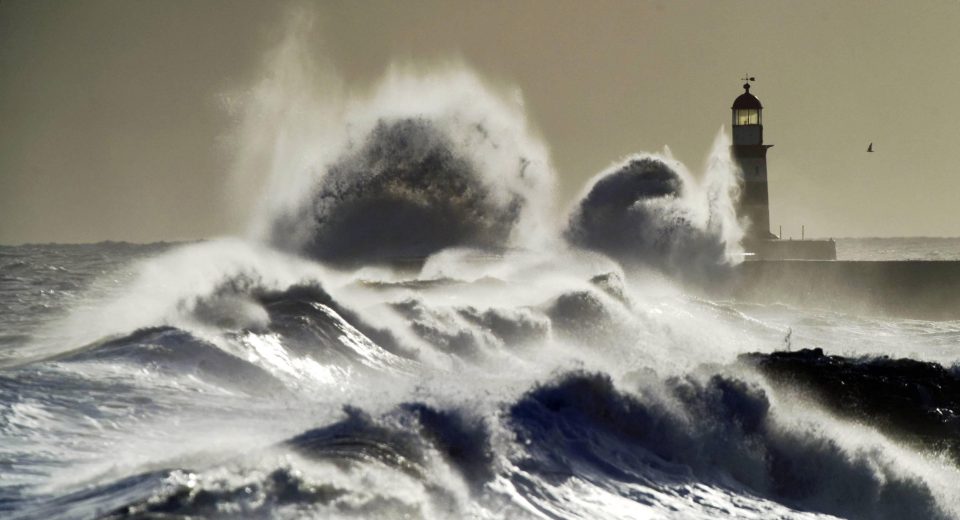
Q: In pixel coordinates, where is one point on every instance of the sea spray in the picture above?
(421, 162)
(417, 178)
(289, 121)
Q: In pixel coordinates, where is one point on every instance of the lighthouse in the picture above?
(750, 154)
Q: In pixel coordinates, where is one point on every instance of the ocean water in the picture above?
(905, 248)
(410, 328)
(186, 380)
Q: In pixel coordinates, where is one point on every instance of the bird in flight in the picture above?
(870, 148)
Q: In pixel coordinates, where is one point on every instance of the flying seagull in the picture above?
(870, 148)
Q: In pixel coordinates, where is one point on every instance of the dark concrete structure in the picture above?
(928, 290)
(791, 249)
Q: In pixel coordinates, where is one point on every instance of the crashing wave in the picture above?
(640, 213)
(406, 192)
(721, 431)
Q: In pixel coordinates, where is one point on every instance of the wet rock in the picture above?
(913, 400)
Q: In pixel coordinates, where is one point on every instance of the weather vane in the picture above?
(747, 77)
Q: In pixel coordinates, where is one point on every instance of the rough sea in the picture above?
(141, 380)
(409, 330)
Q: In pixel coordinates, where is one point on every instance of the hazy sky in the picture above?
(112, 124)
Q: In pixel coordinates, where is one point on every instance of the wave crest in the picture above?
(639, 213)
(721, 430)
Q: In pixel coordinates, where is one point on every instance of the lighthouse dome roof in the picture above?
(746, 100)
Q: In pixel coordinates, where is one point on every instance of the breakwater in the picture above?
(911, 289)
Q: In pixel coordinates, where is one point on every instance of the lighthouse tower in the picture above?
(751, 154)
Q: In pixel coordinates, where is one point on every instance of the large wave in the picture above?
(720, 430)
(409, 190)
(649, 211)
(664, 446)
(419, 163)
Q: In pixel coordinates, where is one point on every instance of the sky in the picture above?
(113, 124)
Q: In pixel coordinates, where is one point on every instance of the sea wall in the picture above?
(790, 249)
(911, 289)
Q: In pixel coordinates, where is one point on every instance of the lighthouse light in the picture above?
(748, 116)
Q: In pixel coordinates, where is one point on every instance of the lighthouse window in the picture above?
(750, 116)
